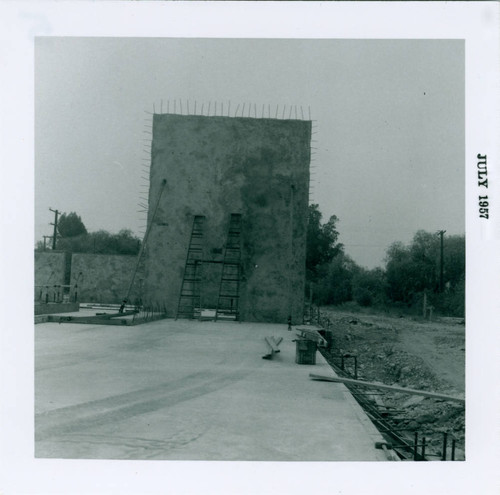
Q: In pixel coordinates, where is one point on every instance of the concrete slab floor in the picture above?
(189, 390)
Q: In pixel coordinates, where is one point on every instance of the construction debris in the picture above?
(311, 333)
(272, 344)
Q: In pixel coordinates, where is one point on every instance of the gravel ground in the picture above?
(413, 353)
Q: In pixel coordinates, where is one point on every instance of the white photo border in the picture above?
(475, 22)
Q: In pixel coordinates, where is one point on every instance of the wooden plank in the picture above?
(381, 386)
(308, 327)
(98, 319)
(271, 344)
(105, 316)
(312, 335)
(91, 320)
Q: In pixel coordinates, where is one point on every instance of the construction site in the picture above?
(204, 346)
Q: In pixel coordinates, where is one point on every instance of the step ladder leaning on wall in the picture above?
(229, 290)
(189, 305)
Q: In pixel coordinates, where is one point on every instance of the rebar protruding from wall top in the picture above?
(246, 110)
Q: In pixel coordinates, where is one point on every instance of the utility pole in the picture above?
(55, 228)
(441, 271)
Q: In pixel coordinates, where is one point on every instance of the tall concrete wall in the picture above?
(105, 278)
(215, 166)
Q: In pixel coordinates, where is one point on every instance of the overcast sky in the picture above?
(389, 119)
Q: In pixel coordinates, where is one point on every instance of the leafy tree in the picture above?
(368, 286)
(452, 302)
(424, 251)
(127, 243)
(454, 260)
(402, 273)
(322, 245)
(412, 269)
(334, 283)
(70, 225)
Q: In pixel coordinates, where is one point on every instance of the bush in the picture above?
(363, 296)
(102, 242)
(452, 302)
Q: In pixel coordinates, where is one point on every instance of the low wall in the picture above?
(105, 278)
(50, 269)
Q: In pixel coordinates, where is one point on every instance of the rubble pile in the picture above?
(382, 357)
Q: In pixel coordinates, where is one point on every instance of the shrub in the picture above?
(362, 296)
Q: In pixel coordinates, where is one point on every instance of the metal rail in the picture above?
(404, 447)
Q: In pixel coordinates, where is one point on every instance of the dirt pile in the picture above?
(408, 353)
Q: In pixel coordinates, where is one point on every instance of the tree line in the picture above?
(73, 237)
(334, 278)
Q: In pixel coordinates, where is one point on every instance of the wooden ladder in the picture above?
(189, 305)
(229, 290)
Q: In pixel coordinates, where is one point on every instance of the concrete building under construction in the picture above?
(227, 217)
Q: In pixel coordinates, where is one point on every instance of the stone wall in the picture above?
(105, 278)
(215, 166)
(50, 269)
(98, 278)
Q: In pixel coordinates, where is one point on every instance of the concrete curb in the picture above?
(359, 412)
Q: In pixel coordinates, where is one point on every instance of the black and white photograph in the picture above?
(307, 207)
(254, 252)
